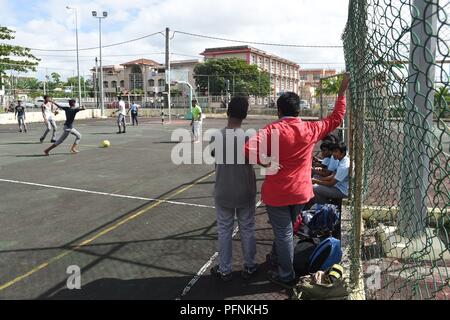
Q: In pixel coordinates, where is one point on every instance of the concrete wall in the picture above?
(7, 118)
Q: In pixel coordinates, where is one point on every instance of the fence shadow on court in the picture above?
(162, 288)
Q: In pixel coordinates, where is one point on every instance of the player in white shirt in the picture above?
(122, 114)
(48, 108)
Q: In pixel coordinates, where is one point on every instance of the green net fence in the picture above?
(397, 52)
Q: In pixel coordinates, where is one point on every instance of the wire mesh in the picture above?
(397, 52)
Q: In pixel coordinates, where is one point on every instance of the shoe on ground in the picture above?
(226, 277)
(275, 278)
(119, 132)
(41, 140)
(53, 141)
(248, 272)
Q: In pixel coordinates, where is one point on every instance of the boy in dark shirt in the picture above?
(234, 193)
(19, 112)
(71, 112)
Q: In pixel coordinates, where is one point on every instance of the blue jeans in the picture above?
(225, 224)
(282, 220)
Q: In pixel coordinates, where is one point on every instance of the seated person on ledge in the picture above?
(328, 164)
(334, 186)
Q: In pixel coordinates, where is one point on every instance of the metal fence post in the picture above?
(419, 104)
(321, 98)
(359, 154)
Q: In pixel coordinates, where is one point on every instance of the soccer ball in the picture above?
(106, 144)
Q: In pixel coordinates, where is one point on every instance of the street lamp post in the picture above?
(78, 59)
(105, 14)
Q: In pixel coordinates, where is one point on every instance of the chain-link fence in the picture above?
(397, 52)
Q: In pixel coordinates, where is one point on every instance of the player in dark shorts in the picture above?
(71, 112)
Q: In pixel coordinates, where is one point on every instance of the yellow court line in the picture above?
(98, 235)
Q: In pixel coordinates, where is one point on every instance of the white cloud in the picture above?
(285, 21)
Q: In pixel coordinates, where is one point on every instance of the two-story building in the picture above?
(143, 76)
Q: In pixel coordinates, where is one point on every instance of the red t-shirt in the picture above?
(292, 183)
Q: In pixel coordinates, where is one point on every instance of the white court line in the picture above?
(206, 265)
(105, 193)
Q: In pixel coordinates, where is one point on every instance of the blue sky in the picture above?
(49, 25)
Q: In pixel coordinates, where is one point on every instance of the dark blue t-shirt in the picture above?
(70, 115)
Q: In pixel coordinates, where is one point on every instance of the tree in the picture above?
(56, 77)
(26, 62)
(28, 83)
(234, 74)
(442, 100)
(330, 86)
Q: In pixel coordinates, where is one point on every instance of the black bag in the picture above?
(302, 252)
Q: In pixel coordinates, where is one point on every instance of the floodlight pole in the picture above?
(78, 58)
(168, 78)
(105, 14)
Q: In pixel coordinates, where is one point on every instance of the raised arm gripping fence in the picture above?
(397, 52)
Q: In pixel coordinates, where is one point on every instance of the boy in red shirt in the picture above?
(286, 191)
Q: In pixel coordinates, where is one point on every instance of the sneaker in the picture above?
(41, 140)
(119, 132)
(275, 278)
(223, 276)
(53, 141)
(247, 273)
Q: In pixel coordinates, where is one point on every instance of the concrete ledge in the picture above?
(389, 214)
(8, 118)
(427, 247)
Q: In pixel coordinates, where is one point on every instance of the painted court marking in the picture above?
(206, 265)
(101, 233)
(104, 193)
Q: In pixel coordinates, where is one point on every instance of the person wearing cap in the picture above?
(19, 112)
(71, 112)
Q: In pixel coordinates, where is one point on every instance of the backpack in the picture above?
(324, 220)
(328, 285)
(302, 252)
(327, 253)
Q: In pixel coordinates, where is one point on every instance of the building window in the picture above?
(122, 83)
(151, 83)
(304, 77)
(316, 77)
(254, 59)
(105, 84)
(161, 82)
(113, 84)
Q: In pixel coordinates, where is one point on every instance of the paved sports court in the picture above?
(136, 225)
